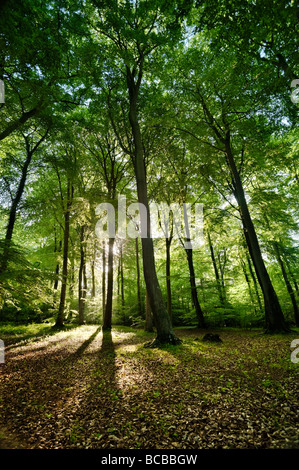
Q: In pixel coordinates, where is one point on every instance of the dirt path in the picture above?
(76, 389)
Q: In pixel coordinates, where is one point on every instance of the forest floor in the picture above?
(77, 389)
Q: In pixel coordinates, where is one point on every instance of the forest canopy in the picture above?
(131, 105)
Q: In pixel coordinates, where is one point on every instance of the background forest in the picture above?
(158, 101)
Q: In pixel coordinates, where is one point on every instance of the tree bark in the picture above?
(103, 278)
(287, 283)
(82, 282)
(291, 274)
(218, 283)
(122, 277)
(189, 253)
(248, 283)
(148, 315)
(273, 314)
(93, 280)
(107, 319)
(168, 282)
(61, 313)
(15, 125)
(163, 324)
(16, 200)
(57, 250)
(13, 211)
(194, 296)
(138, 277)
(254, 282)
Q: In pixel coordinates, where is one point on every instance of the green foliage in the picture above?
(64, 70)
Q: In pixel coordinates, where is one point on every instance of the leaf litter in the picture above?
(80, 389)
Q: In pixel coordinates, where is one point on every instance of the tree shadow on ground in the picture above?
(86, 343)
(18, 334)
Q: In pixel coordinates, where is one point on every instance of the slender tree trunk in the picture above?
(93, 280)
(138, 277)
(85, 282)
(163, 324)
(122, 277)
(16, 200)
(254, 283)
(222, 269)
(13, 212)
(168, 282)
(121, 284)
(291, 274)
(273, 313)
(194, 296)
(82, 288)
(61, 313)
(218, 283)
(107, 320)
(118, 278)
(103, 278)
(148, 315)
(287, 283)
(248, 283)
(189, 253)
(92, 269)
(72, 278)
(17, 123)
(58, 250)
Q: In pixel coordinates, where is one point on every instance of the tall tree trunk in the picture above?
(218, 283)
(273, 314)
(148, 315)
(194, 296)
(13, 211)
(92, 268)
(248, 283)
(72, 277)
(103, 278)
(287, 283)
(254, 282)
(122, 277)
(61, 312)
(163, 324)
(189, 253)
(93, 279)
(121, 284)
(138, 277)
(291, 274)
(168, 282)
(16, 200)
(57, 250)
(107, 320)
(222, 269)
(81, 286)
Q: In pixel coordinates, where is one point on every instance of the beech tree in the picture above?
(132, 32)
(225, 116)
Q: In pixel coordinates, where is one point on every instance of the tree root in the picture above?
(160, 341)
